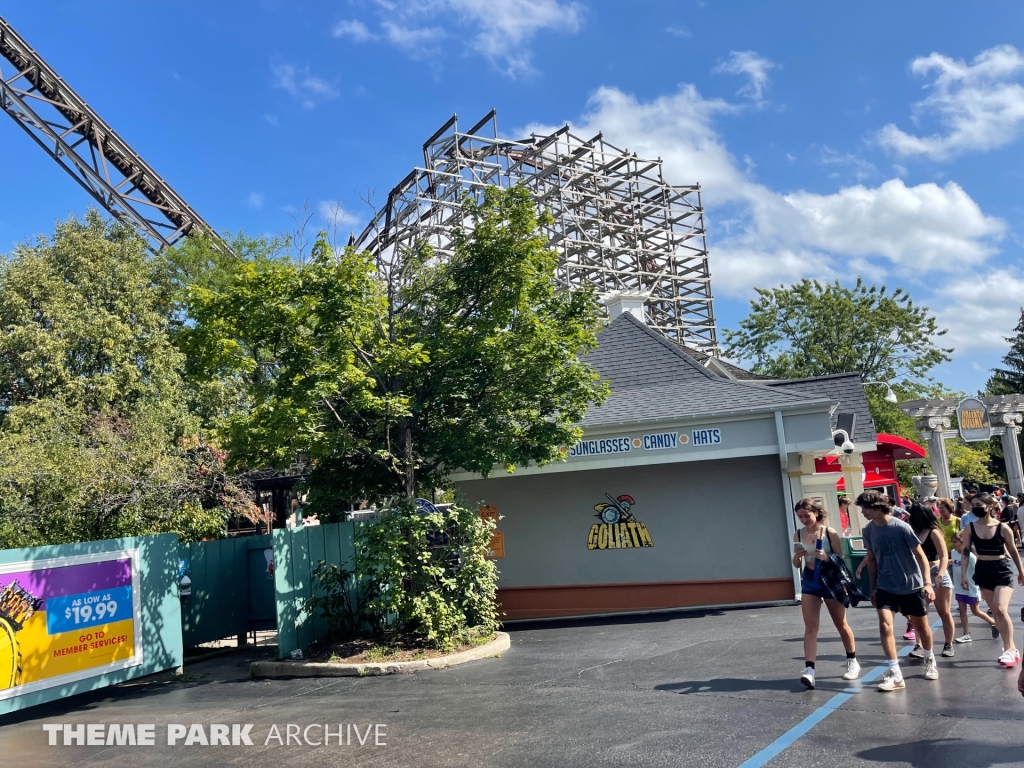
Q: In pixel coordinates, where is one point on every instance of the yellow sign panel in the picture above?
(496, 547)
(973, 419)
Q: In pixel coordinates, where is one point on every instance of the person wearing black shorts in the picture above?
(992, 541)
(900, 583)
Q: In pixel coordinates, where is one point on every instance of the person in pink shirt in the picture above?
(844, 514)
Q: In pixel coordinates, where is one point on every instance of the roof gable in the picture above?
(652, 377)
(631, 355)
(847, 389)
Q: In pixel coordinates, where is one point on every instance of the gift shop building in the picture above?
(679, 493)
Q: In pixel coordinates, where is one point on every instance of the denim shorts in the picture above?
(807, 585)
(945, 581)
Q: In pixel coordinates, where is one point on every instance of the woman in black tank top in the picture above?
(926, 526)
(991, 541)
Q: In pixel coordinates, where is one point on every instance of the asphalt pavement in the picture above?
(704, 689)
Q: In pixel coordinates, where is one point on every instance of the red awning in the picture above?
(871, 480)
(901, 447)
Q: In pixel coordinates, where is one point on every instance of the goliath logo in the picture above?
(618, 529)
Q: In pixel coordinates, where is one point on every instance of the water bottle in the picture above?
(820, 545)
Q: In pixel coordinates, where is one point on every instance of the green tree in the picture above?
(811, 329)
(96, 436)
(202, 263)
(1010, 379)
(85, 319)
(389, 375)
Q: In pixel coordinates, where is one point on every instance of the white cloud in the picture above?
(678, 31)
(979, 105)
(255, 199)
(353, 29)
(752, 65)
(301, 83)
(334, 213)
(980, 309)
(272, 119)
(926, 227)
(677, 128)
(506, 25)
(859, 167)
(760, 236)
(500, 30)
(417, 42)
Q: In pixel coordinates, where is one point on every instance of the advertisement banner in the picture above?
(68, 619)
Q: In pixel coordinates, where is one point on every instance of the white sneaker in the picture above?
(891, 681)
(807, 678)
(931, 669)
(1009, 659)
(852, 669)
(964, 639)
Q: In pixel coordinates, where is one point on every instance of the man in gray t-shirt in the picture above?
(900, 583)
(896, 568)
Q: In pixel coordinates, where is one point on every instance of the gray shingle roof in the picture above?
(844, 387)
(653, 378)
(632, 355)
(740, 373)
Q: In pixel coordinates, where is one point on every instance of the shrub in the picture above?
(423, 577)
(426, 575)
(337, 601)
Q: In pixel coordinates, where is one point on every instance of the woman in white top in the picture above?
(812, 544)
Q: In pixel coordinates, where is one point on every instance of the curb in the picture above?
(218, 652)
(501, 643)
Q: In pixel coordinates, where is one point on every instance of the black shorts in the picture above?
(989, 574)
(909, 605)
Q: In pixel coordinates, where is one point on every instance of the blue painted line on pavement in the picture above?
(789, 737)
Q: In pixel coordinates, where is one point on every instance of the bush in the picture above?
(424, 577)
(338, 601)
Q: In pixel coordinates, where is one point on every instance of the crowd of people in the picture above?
(920, 554)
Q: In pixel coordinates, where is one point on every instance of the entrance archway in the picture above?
(997, 415)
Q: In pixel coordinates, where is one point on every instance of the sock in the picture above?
(929, 654)
(809, 664)
(894, 665)
(851, 654)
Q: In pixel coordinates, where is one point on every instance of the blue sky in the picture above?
(832, 139)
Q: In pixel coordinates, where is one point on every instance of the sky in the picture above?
(831, 140)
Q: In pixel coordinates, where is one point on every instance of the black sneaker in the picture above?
(995, 631)
(947, 650)
(917, 653)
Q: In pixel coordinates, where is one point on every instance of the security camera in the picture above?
(842, 439)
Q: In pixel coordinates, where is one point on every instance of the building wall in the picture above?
(718, 530)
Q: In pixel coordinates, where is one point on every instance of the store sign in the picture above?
(68, 619)
(654, 441)
(601, 447)
(619, 528)
(972, 416)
